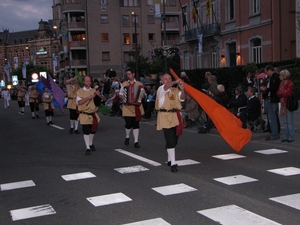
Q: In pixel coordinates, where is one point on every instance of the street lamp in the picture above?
(136, 52)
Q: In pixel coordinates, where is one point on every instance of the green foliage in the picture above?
(250, 67)
(30, 69)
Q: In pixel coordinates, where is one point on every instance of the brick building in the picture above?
(237, 32)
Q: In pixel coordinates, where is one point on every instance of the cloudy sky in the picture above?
(20, 15)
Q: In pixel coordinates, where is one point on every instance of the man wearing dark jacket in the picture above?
(252, 110)
(238, 100)
(269, 89)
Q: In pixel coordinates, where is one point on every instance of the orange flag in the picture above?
(228, 125)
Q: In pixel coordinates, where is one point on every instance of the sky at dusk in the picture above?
(21, 15)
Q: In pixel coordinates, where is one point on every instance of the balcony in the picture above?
(76, 25)
(171, 26)
(77, 44)
(207, 30)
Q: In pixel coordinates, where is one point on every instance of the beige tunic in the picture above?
(168, 119)
(47, 99)
(21, 95)
(129, 110)
(88, 107)
(72, 92)
(33, 96)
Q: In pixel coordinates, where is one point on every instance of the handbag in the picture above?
(292, 102)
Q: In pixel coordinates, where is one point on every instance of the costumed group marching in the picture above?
(84, 99)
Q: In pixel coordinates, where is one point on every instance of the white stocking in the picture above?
(171, 154)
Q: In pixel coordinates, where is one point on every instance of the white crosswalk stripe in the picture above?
(17, 185)
(234, 215)
(78, 176)
(287, 171)
(228, 156)
(237, 179)
(289, 200)
(156, 221)
(131, 169)
(108, 199)
(174, 189)
(31, 212)
(271, 151)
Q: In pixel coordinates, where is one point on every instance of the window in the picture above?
(125, 20)
(199, 60)
(254, 6)
(104, 37)
(135, 18)
(256, 50)
(151, 19)
(105, 56)
(214, 60)
(126, 3)
(149, 2)
(126, 38)
(126, 56)
(172, 2)
(151, 37)
(135, 39)
(230, 10)
(103, 4)
(104, 18)
(186, 60)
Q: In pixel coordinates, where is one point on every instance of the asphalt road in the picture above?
(46, 178)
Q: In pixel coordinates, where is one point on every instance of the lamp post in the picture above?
(136, 52)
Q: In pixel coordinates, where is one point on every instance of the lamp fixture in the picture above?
(238, 54)
(222, 56)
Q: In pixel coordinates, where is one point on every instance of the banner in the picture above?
(194, 13)
(200, 50)
(157, 11)
(24, 69)
(7, 71)
(208, 7)
(16, 61)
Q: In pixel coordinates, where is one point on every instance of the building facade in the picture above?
(97, 36)
(36, 46)
(236, 32)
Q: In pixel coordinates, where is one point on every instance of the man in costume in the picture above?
(21, 99)
(87, 101)
(132, 92)
(72, 88)
(48, 107)
(34, 102)
(168, 105)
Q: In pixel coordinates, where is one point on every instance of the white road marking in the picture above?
(234, 215)
(108, 199)
(271, 151)
(287, 171)
(174, 189)
(228, 156)
(78, 176)
(156, 221)
(237, 179)
(31, 212)
(186, 162)
(17, 185)
(153, 163)
(58, 127)
(131, 169)
(289, 200)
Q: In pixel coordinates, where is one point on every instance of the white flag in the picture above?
(16, 61)
(24, 69)
(200, 50)
(7, 71)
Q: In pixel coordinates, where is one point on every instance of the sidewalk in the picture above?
(258, 136)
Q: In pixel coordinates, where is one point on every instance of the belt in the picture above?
(70, 98)
(90, 114)
(164, 110)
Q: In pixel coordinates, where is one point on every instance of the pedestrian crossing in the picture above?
(222, 214)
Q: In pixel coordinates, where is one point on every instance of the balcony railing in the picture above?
(77, 44)
(76, 62)
(171, 26)
(207, 30)
(75, 25)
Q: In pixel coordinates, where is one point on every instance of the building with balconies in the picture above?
(219, 33)
(97, 36)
